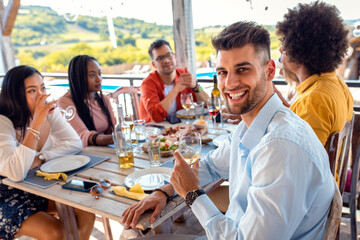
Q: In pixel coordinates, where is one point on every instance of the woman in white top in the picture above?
(31, 132)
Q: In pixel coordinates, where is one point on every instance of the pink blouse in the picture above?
(99, 118)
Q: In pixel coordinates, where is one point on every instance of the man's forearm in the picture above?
(169, 99)
(169, 189)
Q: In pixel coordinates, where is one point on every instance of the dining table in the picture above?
(109, 205)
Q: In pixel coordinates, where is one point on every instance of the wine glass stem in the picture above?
(214, 120)
(187, 112)
(221, 118)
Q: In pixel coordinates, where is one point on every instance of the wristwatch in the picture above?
(192, 195)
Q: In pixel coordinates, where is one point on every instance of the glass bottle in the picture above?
(122, 141)
(215, 93)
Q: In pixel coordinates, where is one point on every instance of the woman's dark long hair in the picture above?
(13, 102)
(79, 89)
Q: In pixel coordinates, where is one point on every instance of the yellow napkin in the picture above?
(136, 192)
(51, 176)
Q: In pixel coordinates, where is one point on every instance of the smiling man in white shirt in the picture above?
(280, 184)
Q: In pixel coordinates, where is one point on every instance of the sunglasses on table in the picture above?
(98, 189)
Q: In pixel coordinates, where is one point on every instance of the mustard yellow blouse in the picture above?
(325, 102)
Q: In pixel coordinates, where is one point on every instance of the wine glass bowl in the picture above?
(214, 105)
(187, 103)
(190, 146)
(69, 113)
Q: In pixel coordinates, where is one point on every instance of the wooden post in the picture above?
(7, 16)
(184, 36)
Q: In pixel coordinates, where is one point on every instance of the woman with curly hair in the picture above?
(314, 42)
(94, 120)
(32, 132)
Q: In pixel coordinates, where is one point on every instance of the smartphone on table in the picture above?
(79, 185)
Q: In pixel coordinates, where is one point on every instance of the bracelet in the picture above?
(94, 138)
(160, 190)
(197, 88)
(34, 132)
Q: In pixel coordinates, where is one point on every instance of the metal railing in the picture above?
(130, 80)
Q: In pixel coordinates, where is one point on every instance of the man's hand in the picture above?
(156, 201)
(184, 178)
(187, 79)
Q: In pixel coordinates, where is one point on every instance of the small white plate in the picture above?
(219, 139)
(65, 164)
(149, 178)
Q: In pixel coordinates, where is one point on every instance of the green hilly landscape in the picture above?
(47, 41)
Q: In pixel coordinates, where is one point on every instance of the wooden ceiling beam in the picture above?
(9, 17)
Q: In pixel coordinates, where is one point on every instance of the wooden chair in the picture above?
(339, 149)
(351, 199)
(334, 218)
(128, 97)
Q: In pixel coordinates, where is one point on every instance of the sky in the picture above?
(205, 12)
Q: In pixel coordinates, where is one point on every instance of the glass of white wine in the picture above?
(186, 103)
(190, 146)
(68, 113)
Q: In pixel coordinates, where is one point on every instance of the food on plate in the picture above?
(171, 135)
(166, 144)
(200, 122)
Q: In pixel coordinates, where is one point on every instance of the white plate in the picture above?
(219, 139)
(65, 164)
(149, 178)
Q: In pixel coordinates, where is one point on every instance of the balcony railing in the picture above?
(119, 80)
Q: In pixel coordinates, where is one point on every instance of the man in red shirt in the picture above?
(161, 90)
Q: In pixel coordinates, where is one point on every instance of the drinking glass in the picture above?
(123, 150)
(129, 120)
(214, 105)
(153, 145)
(190, 146)
(199, 110)
(140, 130)
(186, 103)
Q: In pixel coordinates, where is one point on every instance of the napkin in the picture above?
(51, 176)
(136, 192)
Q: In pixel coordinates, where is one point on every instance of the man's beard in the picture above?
(255, 96)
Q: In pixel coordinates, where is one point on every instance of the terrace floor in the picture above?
(192, 226)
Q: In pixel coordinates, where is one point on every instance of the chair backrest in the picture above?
(339, 152)
(334, 218)
(355, 152)
(128, 97)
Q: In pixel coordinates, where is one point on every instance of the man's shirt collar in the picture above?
(251, 136)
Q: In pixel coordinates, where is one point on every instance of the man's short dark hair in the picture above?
(156, 45)
(239, 34)
(314, 35)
